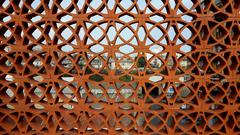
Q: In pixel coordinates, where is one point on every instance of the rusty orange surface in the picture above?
(120, 67)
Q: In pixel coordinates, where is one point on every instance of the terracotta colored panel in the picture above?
(120, 67)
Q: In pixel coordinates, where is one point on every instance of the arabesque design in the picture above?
(120, 67)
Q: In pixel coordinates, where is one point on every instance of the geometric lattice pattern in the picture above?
(120, 67)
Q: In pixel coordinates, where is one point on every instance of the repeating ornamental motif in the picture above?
(120, 67)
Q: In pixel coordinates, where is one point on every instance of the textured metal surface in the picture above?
(120, 67)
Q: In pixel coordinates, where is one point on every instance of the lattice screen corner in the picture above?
(120, 67)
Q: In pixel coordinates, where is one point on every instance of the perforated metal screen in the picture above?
(120, 67)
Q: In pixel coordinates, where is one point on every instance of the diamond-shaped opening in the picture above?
(215, 107)
(126, 4)
(156, 107)
(126, 121)
(66, 63)
(97, 92)
(6, 18)
(82, 92)
(7, 48)
(200, 122)
(111, 33)
(126, 63)
(111, 63)
(187, 33)
(185, 92)
(67, 92)
(170, 92)
(172, 4)
(156, 18)
(155, 92)
(96, 18)
(67, 48)
(156, 49)
(156, 63)
(38, 78)
(97, 48)
(8, 123)
(126, 34)
(218, 63)
(171, 33)
(217, 77)
(66, 18)
(96, 33)
(96, 106)
(6, 3)
(52, 93)
(202, 63)
(215, 122)
(111, 92)
(155, 78)
(126, 18)
(10, 107)
(67, 78)
(156, 33)
(126, 49)
(185, 122)
(9, 78)
(185, 78)
(217, 93)
(68, 106)
(9, 93)
(35, 4)
(156, 122)
(141, 122)
(157, 4)
(220, 16)
(65, 4)
(187, 18)
(38, 92)
(111, 3)
(36, 33)
(171, 122)
(97, 121)
(186, 107)
(141, 63)
(81, 62)
(96, 78)
(186, 48)
(6, 62)
(111, 121)
(37, 122)
(81, 33)
(141, 4)
(126, 92)
(37, 48)
(232, 93)
(187, 4)
(39, 106)
(7, 32)
(141, 33)
(235, 33)
(37, 63)
(66, 33)
(95, 4)
(126, 106)
(219, 32)
(97, 63)
(171, 63)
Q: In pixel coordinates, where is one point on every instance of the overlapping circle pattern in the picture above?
(120, 67)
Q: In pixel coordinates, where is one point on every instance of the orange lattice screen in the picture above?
(120, 67)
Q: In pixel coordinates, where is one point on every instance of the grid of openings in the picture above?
(120, 67)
